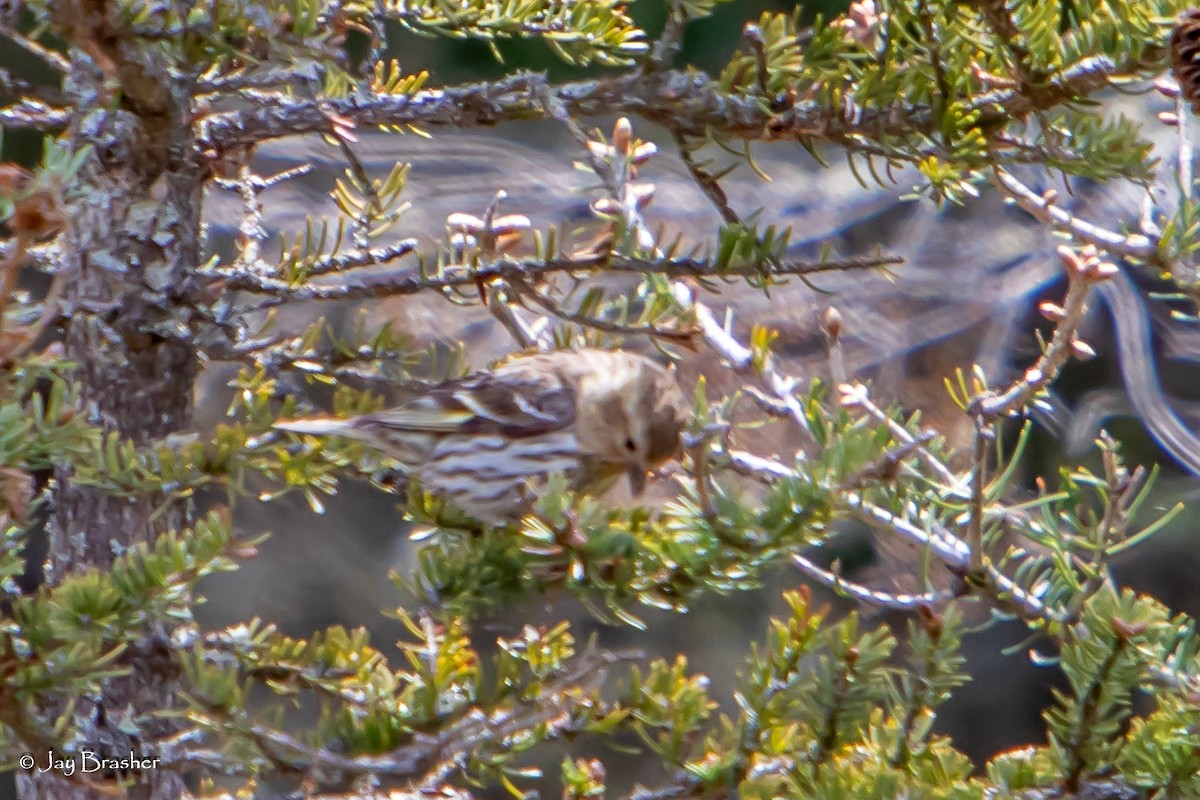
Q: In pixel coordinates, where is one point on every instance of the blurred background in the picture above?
(967, 293)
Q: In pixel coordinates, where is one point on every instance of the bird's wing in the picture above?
(511, 403)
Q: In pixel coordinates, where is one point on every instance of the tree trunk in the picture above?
(130, 257)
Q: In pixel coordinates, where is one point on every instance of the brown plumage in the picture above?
(487, 441)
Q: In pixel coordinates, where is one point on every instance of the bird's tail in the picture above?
(319, 426)
(409, 449)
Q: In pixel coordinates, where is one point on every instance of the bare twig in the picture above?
(356, 168)
(1042, 207)
(886, 467)
(856, 395)
(491, 235)
(984, 434)
(1084, 269)
(253, 232)
(615, 163)
(504, 268)
(741, 359)
(831, 323)
(1135, 355)
(875, 597)
(242, 80)
(29, 113)
(1122, 489)
(668, 44)
(525, 291)
(523, 333)
(359, 258)
(955, 554)
(53, 59)
(708, 183)
(943, 544)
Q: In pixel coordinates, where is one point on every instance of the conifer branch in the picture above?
(503, 269)
(686, 102)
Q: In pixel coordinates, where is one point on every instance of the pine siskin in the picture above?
(483, 441)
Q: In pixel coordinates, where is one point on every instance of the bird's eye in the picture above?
(631, 445)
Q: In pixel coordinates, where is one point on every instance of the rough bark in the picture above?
(131, 255)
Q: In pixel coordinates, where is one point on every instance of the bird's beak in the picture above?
(637, 480)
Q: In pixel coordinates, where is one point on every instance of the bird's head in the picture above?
(631, 418)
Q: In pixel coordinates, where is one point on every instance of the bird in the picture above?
(486, 441)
